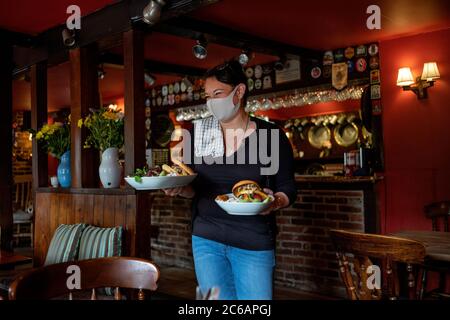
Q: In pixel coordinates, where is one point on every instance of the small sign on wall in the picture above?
(290, 72)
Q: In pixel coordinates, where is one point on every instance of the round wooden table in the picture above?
(437, 244)
(8, 260)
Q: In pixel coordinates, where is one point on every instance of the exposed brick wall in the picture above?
(172, 247)
(305, 256)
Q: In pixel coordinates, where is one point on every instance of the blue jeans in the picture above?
(240, 274)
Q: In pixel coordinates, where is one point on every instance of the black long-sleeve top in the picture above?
(246, 232)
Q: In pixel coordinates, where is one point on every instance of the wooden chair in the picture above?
(116, 272)
(388, 252)
(439, 213)
(23, 199)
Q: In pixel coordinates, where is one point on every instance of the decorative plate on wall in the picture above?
(318, 136)
(162, 132)
(346, 134)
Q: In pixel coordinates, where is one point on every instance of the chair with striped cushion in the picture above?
(99, 242)
(65, 243)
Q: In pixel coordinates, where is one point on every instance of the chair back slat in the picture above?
(117, 294)
(355, 252)
(141, 295)
(117, 272)
(93, 294)
(23, 190)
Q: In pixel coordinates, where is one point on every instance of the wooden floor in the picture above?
(178, 283)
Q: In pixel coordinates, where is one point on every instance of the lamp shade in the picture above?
(405, 77)
(430, 71)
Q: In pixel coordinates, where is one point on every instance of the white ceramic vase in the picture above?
(110, 170)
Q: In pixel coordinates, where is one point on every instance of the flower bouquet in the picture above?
(55, 140)
(105, 133)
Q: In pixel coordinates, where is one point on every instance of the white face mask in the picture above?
(223, 109)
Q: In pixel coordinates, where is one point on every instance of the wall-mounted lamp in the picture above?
(430, 73)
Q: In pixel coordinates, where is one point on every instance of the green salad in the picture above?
(148, 172)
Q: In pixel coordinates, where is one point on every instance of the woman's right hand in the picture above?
(173, 191)
(186, 191)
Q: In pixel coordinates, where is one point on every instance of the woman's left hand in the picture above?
(277, 203)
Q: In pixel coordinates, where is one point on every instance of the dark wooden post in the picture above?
(6, 178)
(38, 119)
(133, 50)
(84, 94)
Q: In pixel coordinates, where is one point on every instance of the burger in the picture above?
(249, 191)
(178, 169)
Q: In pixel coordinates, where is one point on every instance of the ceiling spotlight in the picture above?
(199, 50)
(149, 79)
(68, 37)
(152, 12)
(101, 72)
(244, 57)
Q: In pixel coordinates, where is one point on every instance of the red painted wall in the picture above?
(416, 132)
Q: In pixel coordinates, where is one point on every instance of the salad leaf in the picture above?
(139, 173)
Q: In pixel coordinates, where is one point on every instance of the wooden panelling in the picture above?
(101, 209)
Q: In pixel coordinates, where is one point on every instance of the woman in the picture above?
(234, 253)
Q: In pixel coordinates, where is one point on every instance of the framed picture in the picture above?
(374, 76)
(375, 92)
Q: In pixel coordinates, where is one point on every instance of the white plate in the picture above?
(154, 183)
(243, 208)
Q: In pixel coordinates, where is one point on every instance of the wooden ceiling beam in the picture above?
(157, 67)
(191, 28)
(18, 38)
(107, 23)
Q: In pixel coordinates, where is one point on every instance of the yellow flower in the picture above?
(45, 128)
(109, 115)
(38, 135)
(80, 123)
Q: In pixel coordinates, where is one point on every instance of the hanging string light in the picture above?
(298, 98)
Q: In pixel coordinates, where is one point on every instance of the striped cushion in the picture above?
(100, 242)
(64, 244)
